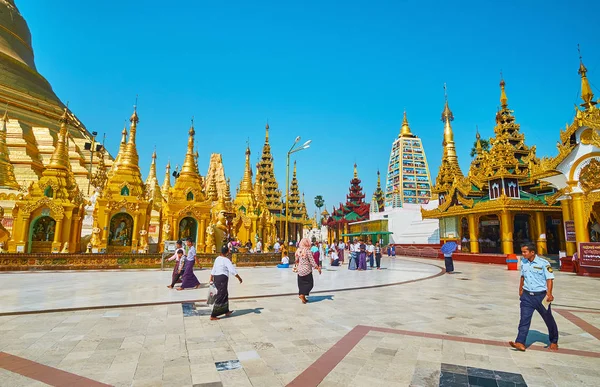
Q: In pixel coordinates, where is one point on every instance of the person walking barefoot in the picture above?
(219, 275)
(305, 266)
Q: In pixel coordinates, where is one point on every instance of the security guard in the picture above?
(535, 286)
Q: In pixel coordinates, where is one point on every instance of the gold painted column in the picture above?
(473, 231)
(24, 229)
(580, 218)
(540, 231)
(105, 228)
(134, 240)
(202, 236)
(67, 225)
(506, 230)
(57, 235)
(571, 247)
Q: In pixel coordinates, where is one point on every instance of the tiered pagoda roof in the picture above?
(266, 174)
(355, 209)
(498, 178)
(294, 206)
(378, 195)
(449, 168)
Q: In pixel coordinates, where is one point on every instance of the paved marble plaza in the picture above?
(406, 325)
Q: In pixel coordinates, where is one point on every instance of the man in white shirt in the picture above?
(340, 248)
(277, 247)
(259, 246)
(370, 252)
(219, 276)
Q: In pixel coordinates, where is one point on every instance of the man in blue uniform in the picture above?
(535, 286)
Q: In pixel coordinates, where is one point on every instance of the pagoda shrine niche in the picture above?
(575, 172)
(355, 209)
(48, 218)
(186, 210)
(253, 220)
(123, 208)
(498, 206)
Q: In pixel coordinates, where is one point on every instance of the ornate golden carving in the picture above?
(589, 178)
(591, 137)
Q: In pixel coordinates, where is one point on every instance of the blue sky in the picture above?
(339, 73)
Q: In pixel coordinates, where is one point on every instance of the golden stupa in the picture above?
(31, 127)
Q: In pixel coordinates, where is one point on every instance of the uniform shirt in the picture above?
(536, 273)
(191, 255)
(258, 246)
(371, 248)
(223, 266)
(352, 247)
(342, 246)
(277, 247)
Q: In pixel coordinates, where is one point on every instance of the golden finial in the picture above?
(355, 172)
(152, 175)
(405, 130)
(189, 163)
(503, 97)
(478, 146)
(378, 179)
(586, 91)
(294, 168)
(134, 117)
(60, 157)
(446, 113)
(246, 184)
(267, 132)
(167, 181)
(124, 135)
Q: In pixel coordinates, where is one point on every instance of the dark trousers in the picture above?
(449, 264)
(176, 278)
(378, 260)
(529, 303)
(370, 260)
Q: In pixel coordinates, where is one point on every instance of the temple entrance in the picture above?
(464, 235)
(552, 237)
(489, 234)
(120, 231)
(41, 235)
(521, 231)
(188, 227)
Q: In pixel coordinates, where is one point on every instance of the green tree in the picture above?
(319, 203)
(485, 145)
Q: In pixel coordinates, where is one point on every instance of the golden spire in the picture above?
(355, 172)
(212, 189)
(378, 179)
(586, 91)
(130, 157)
(478, 142)
(152, 175)
(7, 173)
(267, 132)
(60, 157)
(246, 184)
(447, 113)
(503, 97)
(189, 164)
(257, 184)
(167, 182)
(405, 130)
(447, 116)
(228, 191)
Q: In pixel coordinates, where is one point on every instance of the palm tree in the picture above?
(485, 146)
(319, 203)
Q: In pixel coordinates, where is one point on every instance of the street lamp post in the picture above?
(293, 149)
(92, 147)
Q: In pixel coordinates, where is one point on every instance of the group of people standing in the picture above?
(361, 253)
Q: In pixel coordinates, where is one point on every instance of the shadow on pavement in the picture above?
(536, 337)
(241, 312)
(312, 299)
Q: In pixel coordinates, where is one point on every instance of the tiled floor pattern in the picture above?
(443, 320)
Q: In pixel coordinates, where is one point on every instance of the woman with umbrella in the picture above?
(447, 249)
